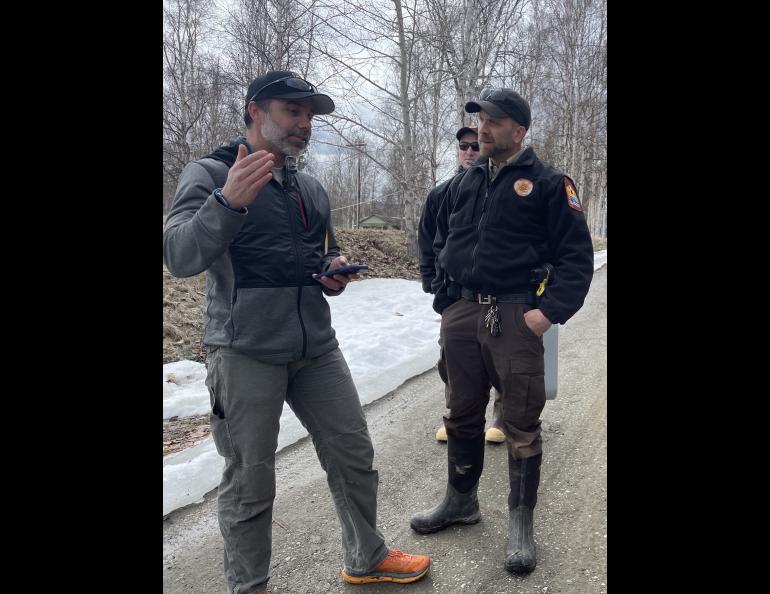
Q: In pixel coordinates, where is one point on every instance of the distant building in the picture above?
(377, 221)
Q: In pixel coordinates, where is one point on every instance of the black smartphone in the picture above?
(346, 270)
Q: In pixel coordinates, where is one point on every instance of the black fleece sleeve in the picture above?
(426, 232)
(572, 251)
(438, 286)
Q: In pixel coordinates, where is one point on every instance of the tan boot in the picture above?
(441, 434)
(494, 435)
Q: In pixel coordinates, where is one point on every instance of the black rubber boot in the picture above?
(460, 505)
(457, 508)
(524, 476)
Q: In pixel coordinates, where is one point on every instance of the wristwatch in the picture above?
(223, 201)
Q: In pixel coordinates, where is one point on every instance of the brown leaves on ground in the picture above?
(184, 300)
(181, 433)
(383, 250)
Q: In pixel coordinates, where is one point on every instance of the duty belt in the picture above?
(487, 299)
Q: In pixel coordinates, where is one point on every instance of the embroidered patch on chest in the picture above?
(523, 187)
(572, 197)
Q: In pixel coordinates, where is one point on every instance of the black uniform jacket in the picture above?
(426, 233)
(489, 237)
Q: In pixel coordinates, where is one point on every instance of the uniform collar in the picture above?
(523, 158)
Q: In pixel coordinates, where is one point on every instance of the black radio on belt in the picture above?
(538, 275)
(541, 276)
(453, 290)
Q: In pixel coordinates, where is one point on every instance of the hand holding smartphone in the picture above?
(346, 270)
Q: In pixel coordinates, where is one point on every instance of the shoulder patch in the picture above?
(572, 197)
(523, 187)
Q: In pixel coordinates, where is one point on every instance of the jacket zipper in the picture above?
(297, 268)
(484, 214)
(478, 230)
(232, 312)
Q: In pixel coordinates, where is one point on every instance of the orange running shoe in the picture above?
(398, 567)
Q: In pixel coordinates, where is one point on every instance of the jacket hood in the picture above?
(227, 152)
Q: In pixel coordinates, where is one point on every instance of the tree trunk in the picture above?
(408, 179)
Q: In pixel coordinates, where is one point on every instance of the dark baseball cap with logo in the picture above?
(502, 103)
(466, 130)
(284, 84)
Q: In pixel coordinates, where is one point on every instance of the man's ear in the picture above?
(255, 112)
(520, 133)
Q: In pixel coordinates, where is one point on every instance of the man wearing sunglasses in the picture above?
(261, 230)
(514, 257)
(467, 153)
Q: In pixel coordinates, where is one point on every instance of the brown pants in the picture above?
(512, 362)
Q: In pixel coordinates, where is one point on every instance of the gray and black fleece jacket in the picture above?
(261, 297)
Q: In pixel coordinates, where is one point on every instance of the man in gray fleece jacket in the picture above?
(262, 232)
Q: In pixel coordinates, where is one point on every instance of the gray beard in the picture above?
(278, 138)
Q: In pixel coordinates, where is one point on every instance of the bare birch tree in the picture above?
(186, 87)
(400, 72)
(574, 95)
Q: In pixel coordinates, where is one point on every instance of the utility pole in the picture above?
(358, 199)
(358, 145)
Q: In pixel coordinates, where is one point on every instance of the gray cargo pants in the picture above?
(246, 399)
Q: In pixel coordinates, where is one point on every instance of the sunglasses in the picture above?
(464, 146)
(295, 83)
(492, 95)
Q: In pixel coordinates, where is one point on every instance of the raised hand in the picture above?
(247, 177)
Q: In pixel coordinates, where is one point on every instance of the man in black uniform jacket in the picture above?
(513, 256)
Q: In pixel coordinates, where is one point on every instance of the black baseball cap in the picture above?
(465, 130)
(502, 103)
(284, 84)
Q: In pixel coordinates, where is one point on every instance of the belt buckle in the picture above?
(485, 300)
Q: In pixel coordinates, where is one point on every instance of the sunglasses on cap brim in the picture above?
(492, 95)
(292, 82)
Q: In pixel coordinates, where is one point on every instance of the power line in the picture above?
(364, 202)
(354, 204)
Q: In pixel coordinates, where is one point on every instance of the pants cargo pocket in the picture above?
(220, 432)
(442, 366)
(221, 435)
(524, 399)
(522, 405)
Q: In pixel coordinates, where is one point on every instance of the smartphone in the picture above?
(346, 270)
